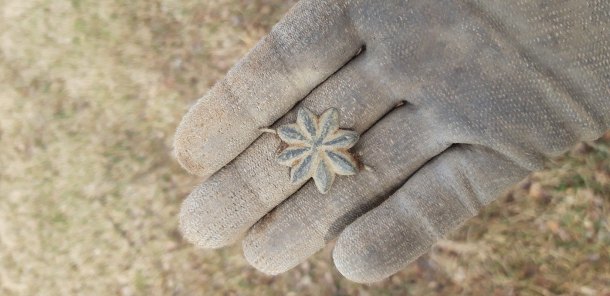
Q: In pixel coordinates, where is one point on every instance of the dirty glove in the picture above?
(455, 102)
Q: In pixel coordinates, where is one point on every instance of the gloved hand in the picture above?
(489, 90)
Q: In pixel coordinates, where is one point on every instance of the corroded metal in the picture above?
(317, 148)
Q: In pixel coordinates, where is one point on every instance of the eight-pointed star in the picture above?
(317, 148)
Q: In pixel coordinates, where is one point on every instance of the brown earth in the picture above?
(90, 95)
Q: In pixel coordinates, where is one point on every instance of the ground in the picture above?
(90, 95)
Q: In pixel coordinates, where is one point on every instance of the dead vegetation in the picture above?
(90, 95)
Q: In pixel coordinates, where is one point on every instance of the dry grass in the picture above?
(90, 94)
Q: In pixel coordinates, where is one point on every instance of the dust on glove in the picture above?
(487, 90)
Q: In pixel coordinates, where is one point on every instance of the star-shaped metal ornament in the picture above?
(317, 148)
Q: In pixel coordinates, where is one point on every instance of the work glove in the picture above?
(454, 102)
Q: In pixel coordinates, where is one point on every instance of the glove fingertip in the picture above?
(195, 228)
(184, 147)
(260, 258)
(188, 162)
(351, 264)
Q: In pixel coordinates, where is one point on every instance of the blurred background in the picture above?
(90, 95)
